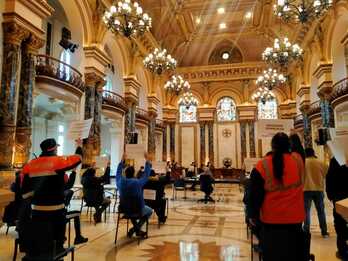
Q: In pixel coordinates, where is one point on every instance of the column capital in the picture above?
(206, 113)
(34, 43)
(169, 114)
(132, 87)
(94, 79)
(324, 75)
(96, 60)
(247, 111)
(14, 33)
(287, 109)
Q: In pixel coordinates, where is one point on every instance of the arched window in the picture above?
(65, 58)
(226, 109)
(188, 114)
(267, 110)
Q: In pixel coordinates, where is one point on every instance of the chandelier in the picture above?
(127, 18)
(177, 84)
(188, 100)
(282, 53)
(263, 95)
(159, 61)
(270, 79)
(302, 11)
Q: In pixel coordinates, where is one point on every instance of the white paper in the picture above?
(268, 128)
(102, 162)
(79, 129)
(159, 167)
(150, 194)
(135, 152)
(339, 148)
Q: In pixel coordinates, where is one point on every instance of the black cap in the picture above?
(48, 145)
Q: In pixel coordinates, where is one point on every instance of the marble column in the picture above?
(211, 142)
(307, 131)
(13, 36)
(172, 141)
(151, 140)
(30, 47)
(252, 139)
(93, 104)
(243, 125)
(202, 141)
(327, 114)
(164, 143)
(129, 124)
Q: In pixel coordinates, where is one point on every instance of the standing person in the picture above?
(93, 192)
(296, 146)
(337, 189)
(43, 183)
(132, 188)
(314, 190)
(276, 196)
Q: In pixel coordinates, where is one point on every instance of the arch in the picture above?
(314, 80)
(196, 94)
(226, 109)
(235, 55)
(144, 89)
(218, 93)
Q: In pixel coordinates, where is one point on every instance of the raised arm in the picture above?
(147, 171)
(119, 170)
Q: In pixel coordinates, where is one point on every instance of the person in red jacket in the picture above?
(276, 197)
(43, 183)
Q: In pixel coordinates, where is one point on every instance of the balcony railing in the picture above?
(142, 114)
(113, 99)
(314, 108)
(54, 68)
(339, 89)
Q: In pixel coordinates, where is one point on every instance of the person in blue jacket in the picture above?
(132, 188)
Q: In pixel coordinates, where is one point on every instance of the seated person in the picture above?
(140, 172)
(206, 181)
(130, 189)
(68, 193)
(158, 183)
(93, 192)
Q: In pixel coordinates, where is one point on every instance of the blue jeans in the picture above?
(318, 198)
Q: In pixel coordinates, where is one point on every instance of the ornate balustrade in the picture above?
(114, 100)
(48, 68)
(142, 115)
(340, 92)
(223, 72)
(314, 111)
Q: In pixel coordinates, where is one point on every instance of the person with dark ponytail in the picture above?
(276, 198)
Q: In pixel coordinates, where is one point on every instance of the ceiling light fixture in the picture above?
(301, 11)
(225, 55)
(263, 94)
(248, 15)
(127, 18)
(159, 61)
(176, 84)
(222, 26)
(198, 20)
(270, 79)
(221, 10)
(188, 100)
(282, 53)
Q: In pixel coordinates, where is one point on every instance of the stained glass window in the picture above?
(267, 110)
(226, 109)
(188, 114)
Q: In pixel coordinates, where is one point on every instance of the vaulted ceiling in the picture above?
(191, 29)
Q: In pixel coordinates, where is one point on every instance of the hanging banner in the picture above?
(268, 128)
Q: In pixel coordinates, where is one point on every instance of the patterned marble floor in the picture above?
(193, 232)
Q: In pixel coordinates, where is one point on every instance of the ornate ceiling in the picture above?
(190, 29)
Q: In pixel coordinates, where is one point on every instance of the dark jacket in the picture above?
(107, 175)
(337, 181)
(93, 190)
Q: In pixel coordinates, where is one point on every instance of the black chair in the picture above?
(129, 208)
(206, 182)
(90, 197)
(179, 185)
(154, 202)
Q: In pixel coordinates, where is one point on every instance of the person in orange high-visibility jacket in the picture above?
(43, 182)
(276, 198)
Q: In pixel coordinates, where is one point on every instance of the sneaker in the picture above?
(80, 240)
(325, 235)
